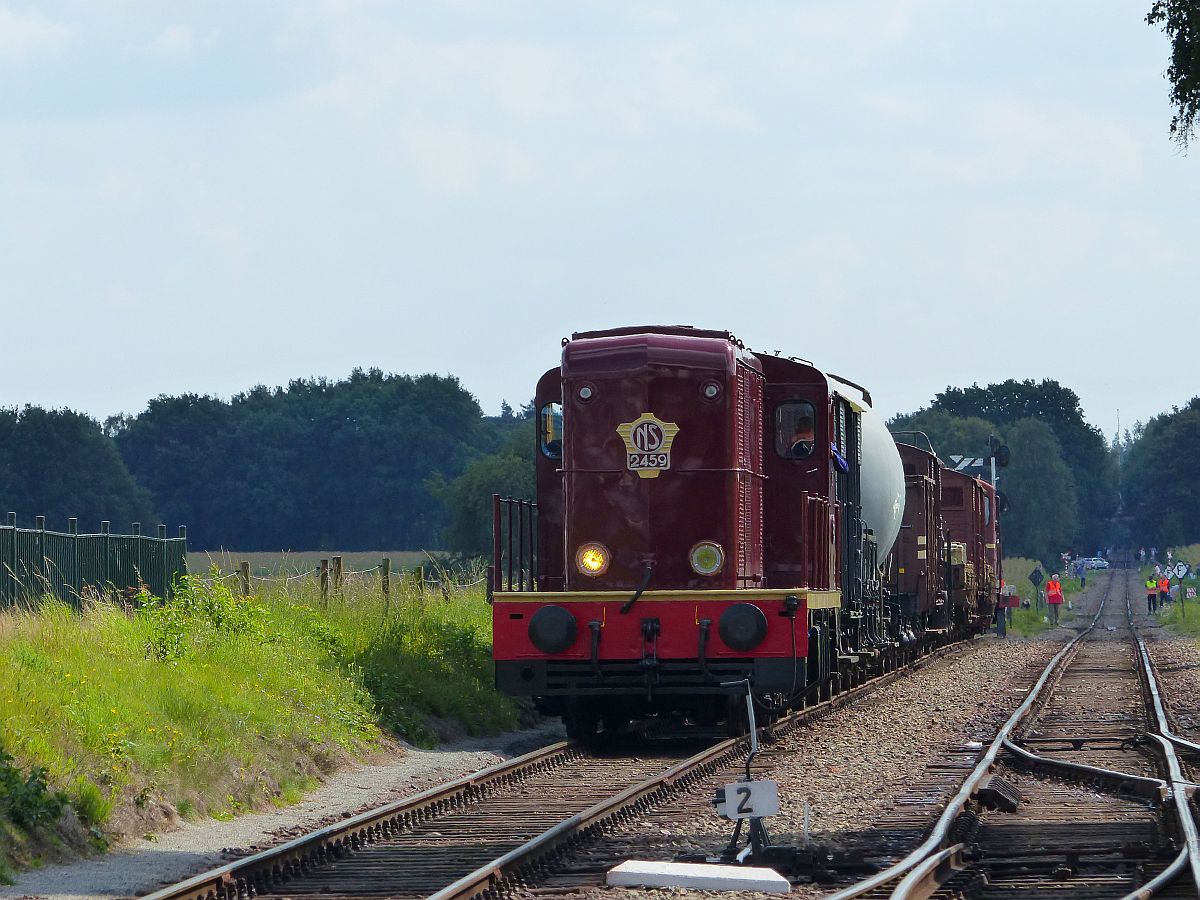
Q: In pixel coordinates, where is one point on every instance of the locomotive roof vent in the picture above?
(680, 330)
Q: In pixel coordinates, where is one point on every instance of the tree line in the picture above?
(364, 462)
(382, 461)
(1062, 482)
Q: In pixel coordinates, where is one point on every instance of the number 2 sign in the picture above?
(748, 800)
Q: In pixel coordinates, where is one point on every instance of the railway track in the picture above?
(1081, 794)
(491, 831)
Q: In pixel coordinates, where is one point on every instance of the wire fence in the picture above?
(332, 578)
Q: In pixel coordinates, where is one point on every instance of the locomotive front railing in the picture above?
(514, 544)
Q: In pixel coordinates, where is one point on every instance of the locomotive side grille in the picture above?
(748, 430)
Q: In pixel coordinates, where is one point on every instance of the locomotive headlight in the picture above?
(707, 558)
(742, 627)
(592, 558)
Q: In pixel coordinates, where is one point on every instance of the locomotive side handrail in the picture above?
(514, 545)
(816, 566)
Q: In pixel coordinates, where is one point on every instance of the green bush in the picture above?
(201, 612)
(26, 797)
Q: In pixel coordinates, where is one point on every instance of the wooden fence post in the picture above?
(324, 582)
(385, 581)
(245, 578)
(337, 575)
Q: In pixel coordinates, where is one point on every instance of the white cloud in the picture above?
(455, 160)
(1011, 141)
(625, 89)
(24, 35)
(174, 40)
(181, 42)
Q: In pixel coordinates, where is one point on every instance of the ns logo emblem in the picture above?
(648, 442)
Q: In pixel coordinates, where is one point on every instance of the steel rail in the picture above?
(365, 826)
(925, 878)
(930, 865)
(933, 844)
(1181, 788)
(204, 884)
(491, 875)
(1144, 785)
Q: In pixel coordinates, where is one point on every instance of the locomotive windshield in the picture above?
(550, 430)
(795, 429)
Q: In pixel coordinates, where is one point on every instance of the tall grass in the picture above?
(424, 655)
(214, 702)
(1182, 616)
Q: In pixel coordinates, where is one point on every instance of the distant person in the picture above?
(1151, 593)
(1164, 591)
(1081, 574)
(1054, 597)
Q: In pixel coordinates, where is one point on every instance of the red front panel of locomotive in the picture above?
(662, 454)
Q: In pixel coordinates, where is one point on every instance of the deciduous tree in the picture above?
(1180, 19)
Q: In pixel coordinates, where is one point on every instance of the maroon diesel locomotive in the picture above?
(704, 515)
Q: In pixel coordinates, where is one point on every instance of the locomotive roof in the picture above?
(634, 348)
(679, 330)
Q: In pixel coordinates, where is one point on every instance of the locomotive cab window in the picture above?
(795, 430)
(550, 430)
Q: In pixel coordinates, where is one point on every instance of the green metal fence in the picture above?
(35, 562)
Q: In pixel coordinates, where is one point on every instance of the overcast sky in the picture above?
(912, 193)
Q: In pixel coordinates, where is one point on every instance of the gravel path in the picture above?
(140, 866)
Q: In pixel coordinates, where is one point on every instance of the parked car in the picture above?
(1095, 562)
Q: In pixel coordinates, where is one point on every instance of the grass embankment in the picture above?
(1181, 617)
(1031, 621)
(212, 703)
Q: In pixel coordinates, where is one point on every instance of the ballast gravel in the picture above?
(852, 765)
(1177, 661)
(139, 866)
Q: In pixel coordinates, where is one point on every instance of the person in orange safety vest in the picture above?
(1054, 596)
(1164, 590)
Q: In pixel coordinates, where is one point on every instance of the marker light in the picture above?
(552, 629)
(707, 558)
(592, 559)
(742, 627)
